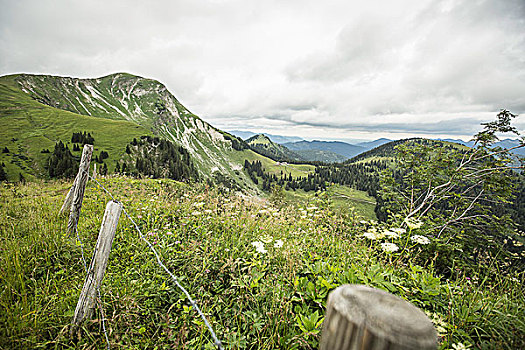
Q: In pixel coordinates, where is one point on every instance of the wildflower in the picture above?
(312, 208)
(460, 346)
(390, 234)
(389, 247)
(373, 234)
(196, 213)
(169, 233)
(420, 239)
(278, 243)
(199, 204)
(413, 223)
(370, 235)
(259, 247)
(398, 230)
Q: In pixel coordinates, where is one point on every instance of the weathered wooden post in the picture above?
(98, 264)
(87, 152)
(80, 187)
(364, 318)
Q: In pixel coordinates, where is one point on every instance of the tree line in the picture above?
(157, 158)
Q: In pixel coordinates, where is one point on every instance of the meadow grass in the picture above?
(274, 168)
(27, 127)
(253, 300)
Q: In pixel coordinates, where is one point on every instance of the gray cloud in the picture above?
(316, 69)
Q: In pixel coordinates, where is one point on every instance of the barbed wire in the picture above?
(216, 340)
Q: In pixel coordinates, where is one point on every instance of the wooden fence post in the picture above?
(98, 264)
(79, 188)
(86, 157)
(364, 318)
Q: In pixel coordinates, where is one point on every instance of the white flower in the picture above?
(371, 233)
(460, 346)
(259, 247)
(389, 247)
(420, 239)
(199, 204)
(196, 213)
(398, 230)
(312, 208)
(391, 234)
(413, 223)
(278, 243)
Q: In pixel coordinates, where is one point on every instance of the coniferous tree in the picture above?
(61, 162)
(3, 174)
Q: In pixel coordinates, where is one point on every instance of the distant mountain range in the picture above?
(338, 151)
(506, 143)
(343, 149)
(275, 138)
(313, 151)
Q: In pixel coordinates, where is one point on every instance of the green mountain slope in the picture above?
(140, 103)
(262, 144)
(27, 127)
(317, 155)
(343, 149)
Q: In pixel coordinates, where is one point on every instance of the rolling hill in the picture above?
(36, 111)
(345, 150)
(263, 145)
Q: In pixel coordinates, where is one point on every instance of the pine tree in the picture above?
(3, 174)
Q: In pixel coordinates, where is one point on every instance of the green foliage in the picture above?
(461, 195)
(154, 157)
(253, 299)
(3, 174)
(82, 138)
(61, 162)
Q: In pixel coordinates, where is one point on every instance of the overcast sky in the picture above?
(317, 69)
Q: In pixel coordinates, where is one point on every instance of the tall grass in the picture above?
(253, 300)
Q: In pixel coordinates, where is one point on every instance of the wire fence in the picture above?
(100, 303)
(192, 302)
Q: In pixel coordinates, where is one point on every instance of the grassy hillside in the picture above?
(386, 151)
(344, 197)
(262, 144)
(27, 127)
(275, 167)
(141, 101)
(316, 155)
(266, 299)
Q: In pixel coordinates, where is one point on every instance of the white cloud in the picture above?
(332, 69)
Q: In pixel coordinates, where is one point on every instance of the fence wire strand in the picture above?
(100, 304)
(216, 340)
